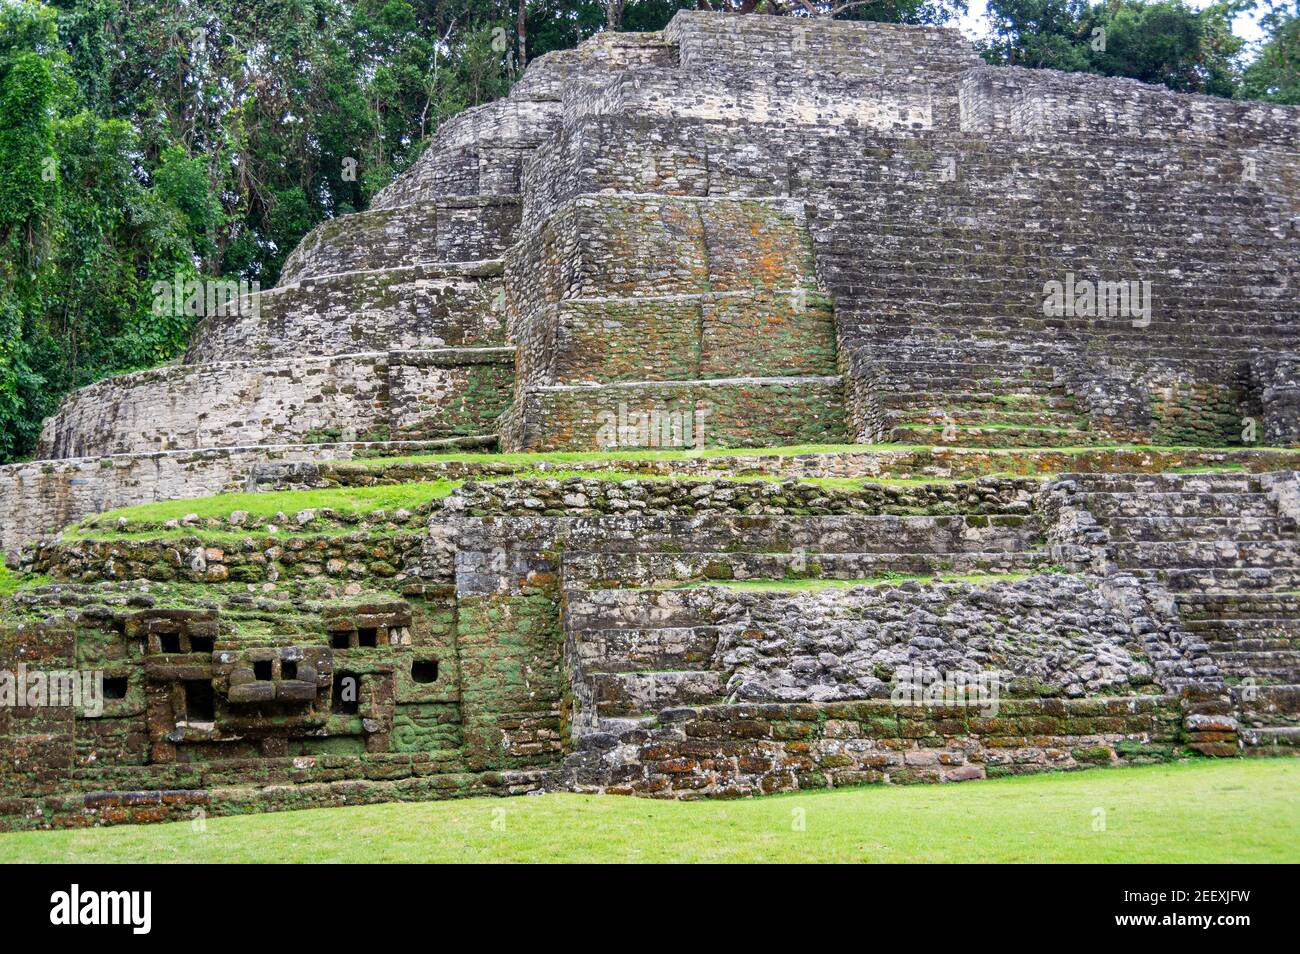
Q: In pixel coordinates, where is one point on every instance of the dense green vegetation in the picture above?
(1156, 41)
(8, 582)
(1203, 811)
(161, 141)
(1160, 41)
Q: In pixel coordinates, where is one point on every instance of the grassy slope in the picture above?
(341, 499)
(1245, 810)
(409, 495)
(392, 496)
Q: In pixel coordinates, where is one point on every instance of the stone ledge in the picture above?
(41, 497)
(95, 809)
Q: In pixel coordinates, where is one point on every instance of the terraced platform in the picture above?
(551, 469)
(653, 635)
(740, 234)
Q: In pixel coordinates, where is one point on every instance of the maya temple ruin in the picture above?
(765, 374)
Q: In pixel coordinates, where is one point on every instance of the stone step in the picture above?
(838, 533)
(1269, 666)
(957, 382)
(1016, 402)
(642, 648)
(1010, 376)
(1272, 740)
(442, 304)
(610, 611)
(958, 436)
(1244, 608)
(1202, 579)
(449, 392)
(662, 569)
(1226, 329)
(661, 415)
(1230, 640)
(939, 414)
(1213, 482)
(445, 229)
(1227, 554)
(624, 694)
(1268, 705)
(1251, 634)
(1236, 528)
(1226, 505)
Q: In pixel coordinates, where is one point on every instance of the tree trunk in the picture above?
(522, 32)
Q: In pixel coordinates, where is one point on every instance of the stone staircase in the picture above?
(679, 550)
(1228, 546)
(635, 652)
(975, 398)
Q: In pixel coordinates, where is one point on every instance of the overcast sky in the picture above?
(974, 24)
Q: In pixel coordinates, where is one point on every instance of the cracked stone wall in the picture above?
(1045, 636)
(345, 397)
(416, 307)
(448, 229)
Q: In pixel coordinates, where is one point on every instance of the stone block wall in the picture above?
(638, 246)
(346, 397)
(738, 750)
(477, 152)
(415, 307)
(1042, 104)
(639, 290)
(452, 393)
(451, 229)
(1276, 379)
(357, 673)
(482, 150)
(905, 53)
(41, 497)
(974, 183)
(724, 412)
(536, 633)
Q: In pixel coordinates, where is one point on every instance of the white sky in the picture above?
(974, 24)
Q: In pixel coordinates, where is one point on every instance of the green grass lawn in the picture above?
(289, 502)
(9, 581)
(1226, 811)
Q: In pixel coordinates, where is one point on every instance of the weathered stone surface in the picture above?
(376, 396)
(741, 231)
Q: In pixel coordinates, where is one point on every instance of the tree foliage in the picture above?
(1275, 73)
(1160, 41)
